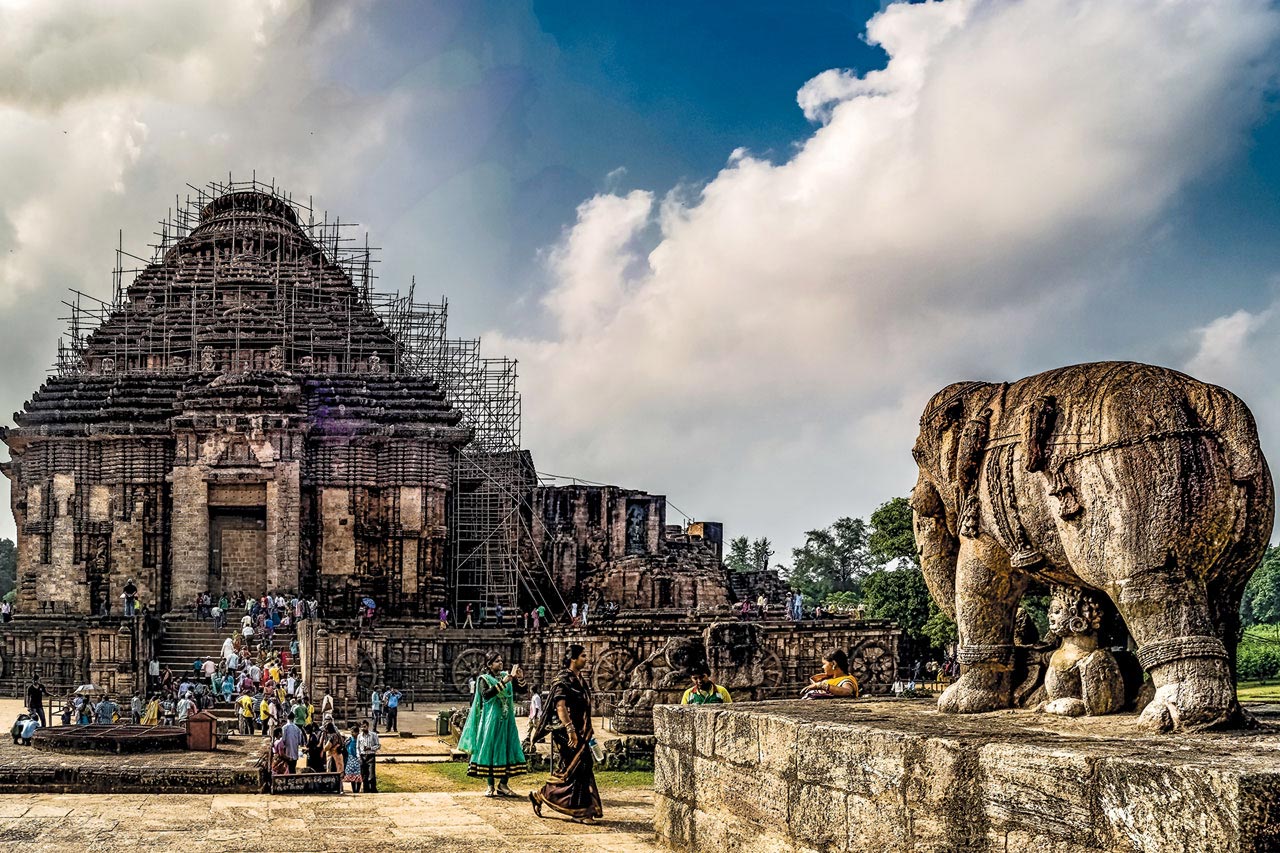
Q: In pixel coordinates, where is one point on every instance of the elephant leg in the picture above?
(1170, 617)
(987, 595)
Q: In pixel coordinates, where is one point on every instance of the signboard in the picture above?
(306, 783)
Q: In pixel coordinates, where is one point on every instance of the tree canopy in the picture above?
(746, 555)
(833, 559)
(1261, 602)
(892, 537)
(875, 564)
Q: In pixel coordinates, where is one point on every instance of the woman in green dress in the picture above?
(490, 735)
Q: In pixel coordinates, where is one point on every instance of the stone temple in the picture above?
(250, 414)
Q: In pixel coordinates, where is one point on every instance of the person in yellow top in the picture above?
(704, 691)
(834, 680)
(245, 704)
(151, 716)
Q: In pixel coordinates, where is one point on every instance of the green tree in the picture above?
(892, 538)
(761, 551)
(900, 594)
(739, 559)
(1261, 602)
(8, 566)
(833, 559)
(939, 629)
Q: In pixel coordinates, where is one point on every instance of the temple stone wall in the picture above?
(69, 651)
(419, 659)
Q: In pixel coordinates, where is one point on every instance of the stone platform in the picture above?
(229, 769)
(894, 775)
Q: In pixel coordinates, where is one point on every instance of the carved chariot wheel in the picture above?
(871, 663)
(612, 670)
(466, 665)
(771, 669)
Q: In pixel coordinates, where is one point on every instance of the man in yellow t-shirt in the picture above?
(246, 714)
(704, 691)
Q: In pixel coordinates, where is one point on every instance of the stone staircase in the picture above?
(184, 639)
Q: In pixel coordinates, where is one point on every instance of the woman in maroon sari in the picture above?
(566, 716)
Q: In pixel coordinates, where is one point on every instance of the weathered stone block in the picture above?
(704, 731)
(901, 777)
(756, 798)
(673, 822)
(736, 739)
(1030, 789)
(819, 817)
(673, 773)
(778, 739)
(673, 725)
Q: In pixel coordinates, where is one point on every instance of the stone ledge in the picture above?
(897, 776)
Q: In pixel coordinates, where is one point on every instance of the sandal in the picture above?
(491, 793)
(508, 793)
(537, 806)
(589, 821)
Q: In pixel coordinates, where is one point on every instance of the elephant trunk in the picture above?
(936, 545)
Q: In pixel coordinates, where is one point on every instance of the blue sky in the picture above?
(670, 88)
(735, 246)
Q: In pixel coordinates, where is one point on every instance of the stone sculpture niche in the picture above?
(1080, 678)
(659, 679)
(1135, 480)
(733, 651)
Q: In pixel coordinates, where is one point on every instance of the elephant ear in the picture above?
(1041, 419)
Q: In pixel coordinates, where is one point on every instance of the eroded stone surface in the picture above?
(900, 776)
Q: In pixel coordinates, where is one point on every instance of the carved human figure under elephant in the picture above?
(1133, 480)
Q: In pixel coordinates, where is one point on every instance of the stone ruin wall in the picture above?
(605, 543)
(68, 653)
(435, 664)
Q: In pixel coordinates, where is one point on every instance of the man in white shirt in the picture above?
(185, 707)
(367, 746)
(535, 704)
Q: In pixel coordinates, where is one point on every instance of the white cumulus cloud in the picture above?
(763, 357)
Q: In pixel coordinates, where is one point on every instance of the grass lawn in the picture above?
(452, 776)
(1258, 691)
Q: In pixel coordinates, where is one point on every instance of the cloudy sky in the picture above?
(735, 248)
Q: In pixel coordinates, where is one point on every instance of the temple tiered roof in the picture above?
(244, 312)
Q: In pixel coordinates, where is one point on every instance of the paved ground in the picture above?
(454, 821)
(244, 822)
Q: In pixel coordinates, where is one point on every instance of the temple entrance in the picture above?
(237, 550)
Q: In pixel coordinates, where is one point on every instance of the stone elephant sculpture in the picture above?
(1133, 480)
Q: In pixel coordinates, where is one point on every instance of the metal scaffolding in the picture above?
(322, 329)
